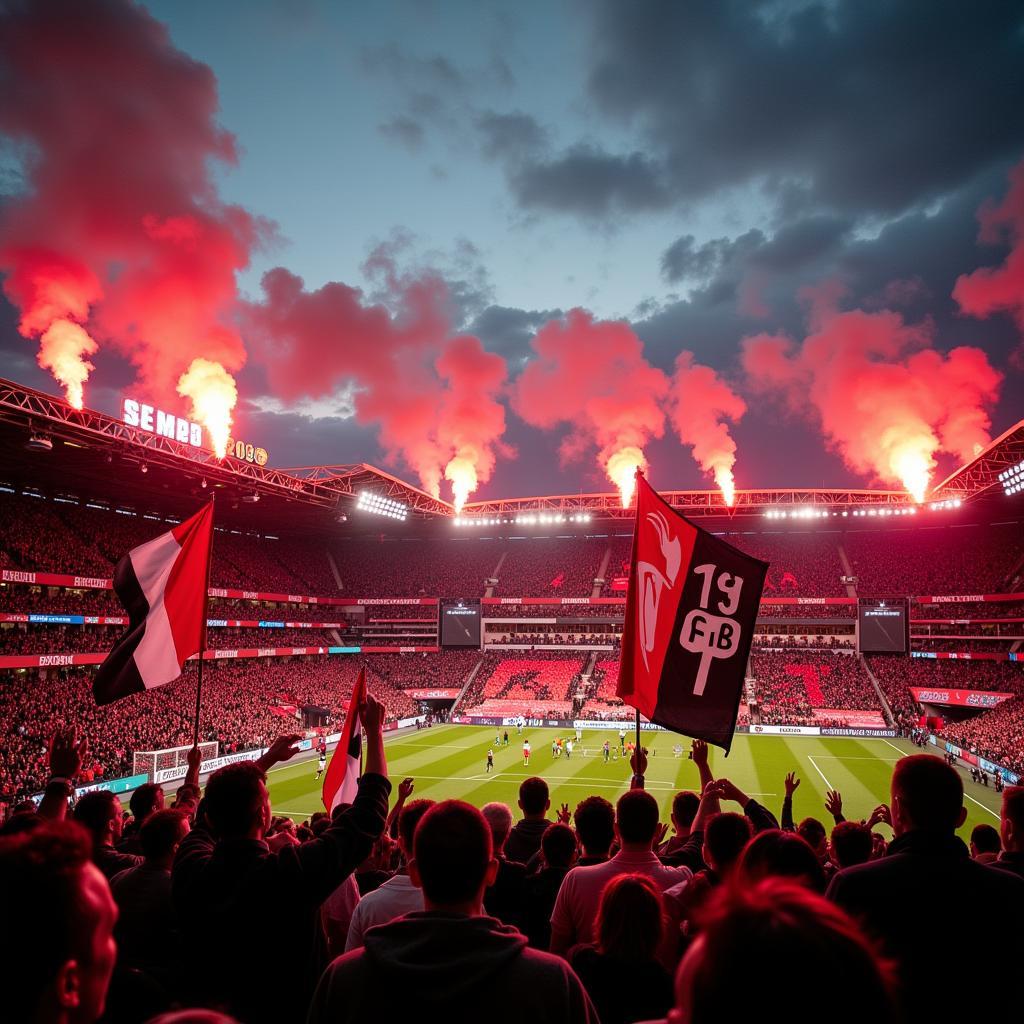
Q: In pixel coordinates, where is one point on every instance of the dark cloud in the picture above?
(511, 137)
(590, 183)
(405, 130)
(858, 107)
(507, 330)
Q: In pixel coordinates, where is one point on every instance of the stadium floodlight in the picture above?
(378, 505)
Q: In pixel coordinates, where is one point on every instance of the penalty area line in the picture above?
(820, 772)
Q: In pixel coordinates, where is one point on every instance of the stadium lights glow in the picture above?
(378, 505)
(938, 506)
(1012, 479)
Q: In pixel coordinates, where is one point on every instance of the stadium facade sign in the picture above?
(437, 694)
(959, 698)
(155, 421)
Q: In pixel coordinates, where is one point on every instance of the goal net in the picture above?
(149, 762)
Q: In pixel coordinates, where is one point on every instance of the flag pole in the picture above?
(206, 615)
(639, 777)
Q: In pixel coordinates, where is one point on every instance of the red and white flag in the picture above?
(340, 782)
(162, 585)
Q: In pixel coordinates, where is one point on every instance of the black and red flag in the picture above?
(691, 606)
(162, 585)
(340, 782)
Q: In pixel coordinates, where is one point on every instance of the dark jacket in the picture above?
(112, 862)
(242, 907)
(503, 900)
(524, 839)
(431, 965)
(623, 990)
(925, 902)
(1012, 862)
(539, 894)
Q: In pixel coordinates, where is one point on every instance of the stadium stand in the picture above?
(538, 685)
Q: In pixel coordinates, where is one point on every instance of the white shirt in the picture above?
(397, 896)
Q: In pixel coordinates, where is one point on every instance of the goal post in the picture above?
(149, 762)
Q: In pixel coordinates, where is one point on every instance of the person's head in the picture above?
(499, 817)
(558, 844)
(684, 810)
(777, 854)
(984, 839)
(724, 838)
(636, 819)
(534, 799)
(57, 946)
(766, 929)
(149, 797)
(814, 832)
(453, 860)
(630, 918)
(410, 817)
(927, 796)
(851, 843)
(237, 802)
(1011, 819)
(594, 819)
(160, 835)
(100, 814)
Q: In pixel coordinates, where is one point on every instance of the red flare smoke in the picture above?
(592, 374)
(434, 397)
(999, 289)
(887, 400)
(119, 233)
(699, 406)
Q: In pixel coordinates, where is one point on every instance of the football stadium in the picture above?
(511, 511)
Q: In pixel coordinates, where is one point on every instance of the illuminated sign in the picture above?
(156, 421)
(177, 428)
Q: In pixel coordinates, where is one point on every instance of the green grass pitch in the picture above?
(449, 761)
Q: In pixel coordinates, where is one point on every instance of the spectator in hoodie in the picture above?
(524, 839)
(450, 954)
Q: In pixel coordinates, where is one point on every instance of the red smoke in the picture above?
(435, 397)
(995, 289)
(119, 231)
(592, 375)
(700, 405)
(887, 400)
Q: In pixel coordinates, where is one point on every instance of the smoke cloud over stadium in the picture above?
(886, 399)
(592, 374)
(999, 289)
(434, 395)
(701, 405)
(118, 238)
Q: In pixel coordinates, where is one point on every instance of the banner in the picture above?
(785, 730)
(206, 767)
(959, 698)
(690, 615)
(970, 655)
(421, 694)
(882, 734)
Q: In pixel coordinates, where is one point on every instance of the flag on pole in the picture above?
(347, 760)
(691, 606)
(162, 585)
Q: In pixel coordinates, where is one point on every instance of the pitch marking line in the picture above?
(968, 795)
(820, 772)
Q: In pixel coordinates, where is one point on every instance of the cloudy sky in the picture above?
(704, 171)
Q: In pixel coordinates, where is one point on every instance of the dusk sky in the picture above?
(813, 176)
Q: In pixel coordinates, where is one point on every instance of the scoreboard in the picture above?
(883, 625)
(459, 622)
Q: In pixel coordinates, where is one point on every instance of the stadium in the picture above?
(511, 512)
(510, 610)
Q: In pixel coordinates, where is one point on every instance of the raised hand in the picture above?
(372, 714)
(67, 753)
(282, 749)
(881, 815)
(699, 749)
(834, 803)
(564, 815)
(405, 788)
(792, 784)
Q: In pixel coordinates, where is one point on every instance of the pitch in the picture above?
(450, 761)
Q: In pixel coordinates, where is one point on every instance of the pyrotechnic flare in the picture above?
(886, 399)
(621, 467)
(699, 405)
(462, 474)
(63, 350)
(592, 375)
(213, 394)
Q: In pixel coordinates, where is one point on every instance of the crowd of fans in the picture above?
(599, 914)
(540, 685)
(997, 735)
(790, 687)
(551, 567)
(801, 564)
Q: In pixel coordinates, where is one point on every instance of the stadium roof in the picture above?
(92, 456)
